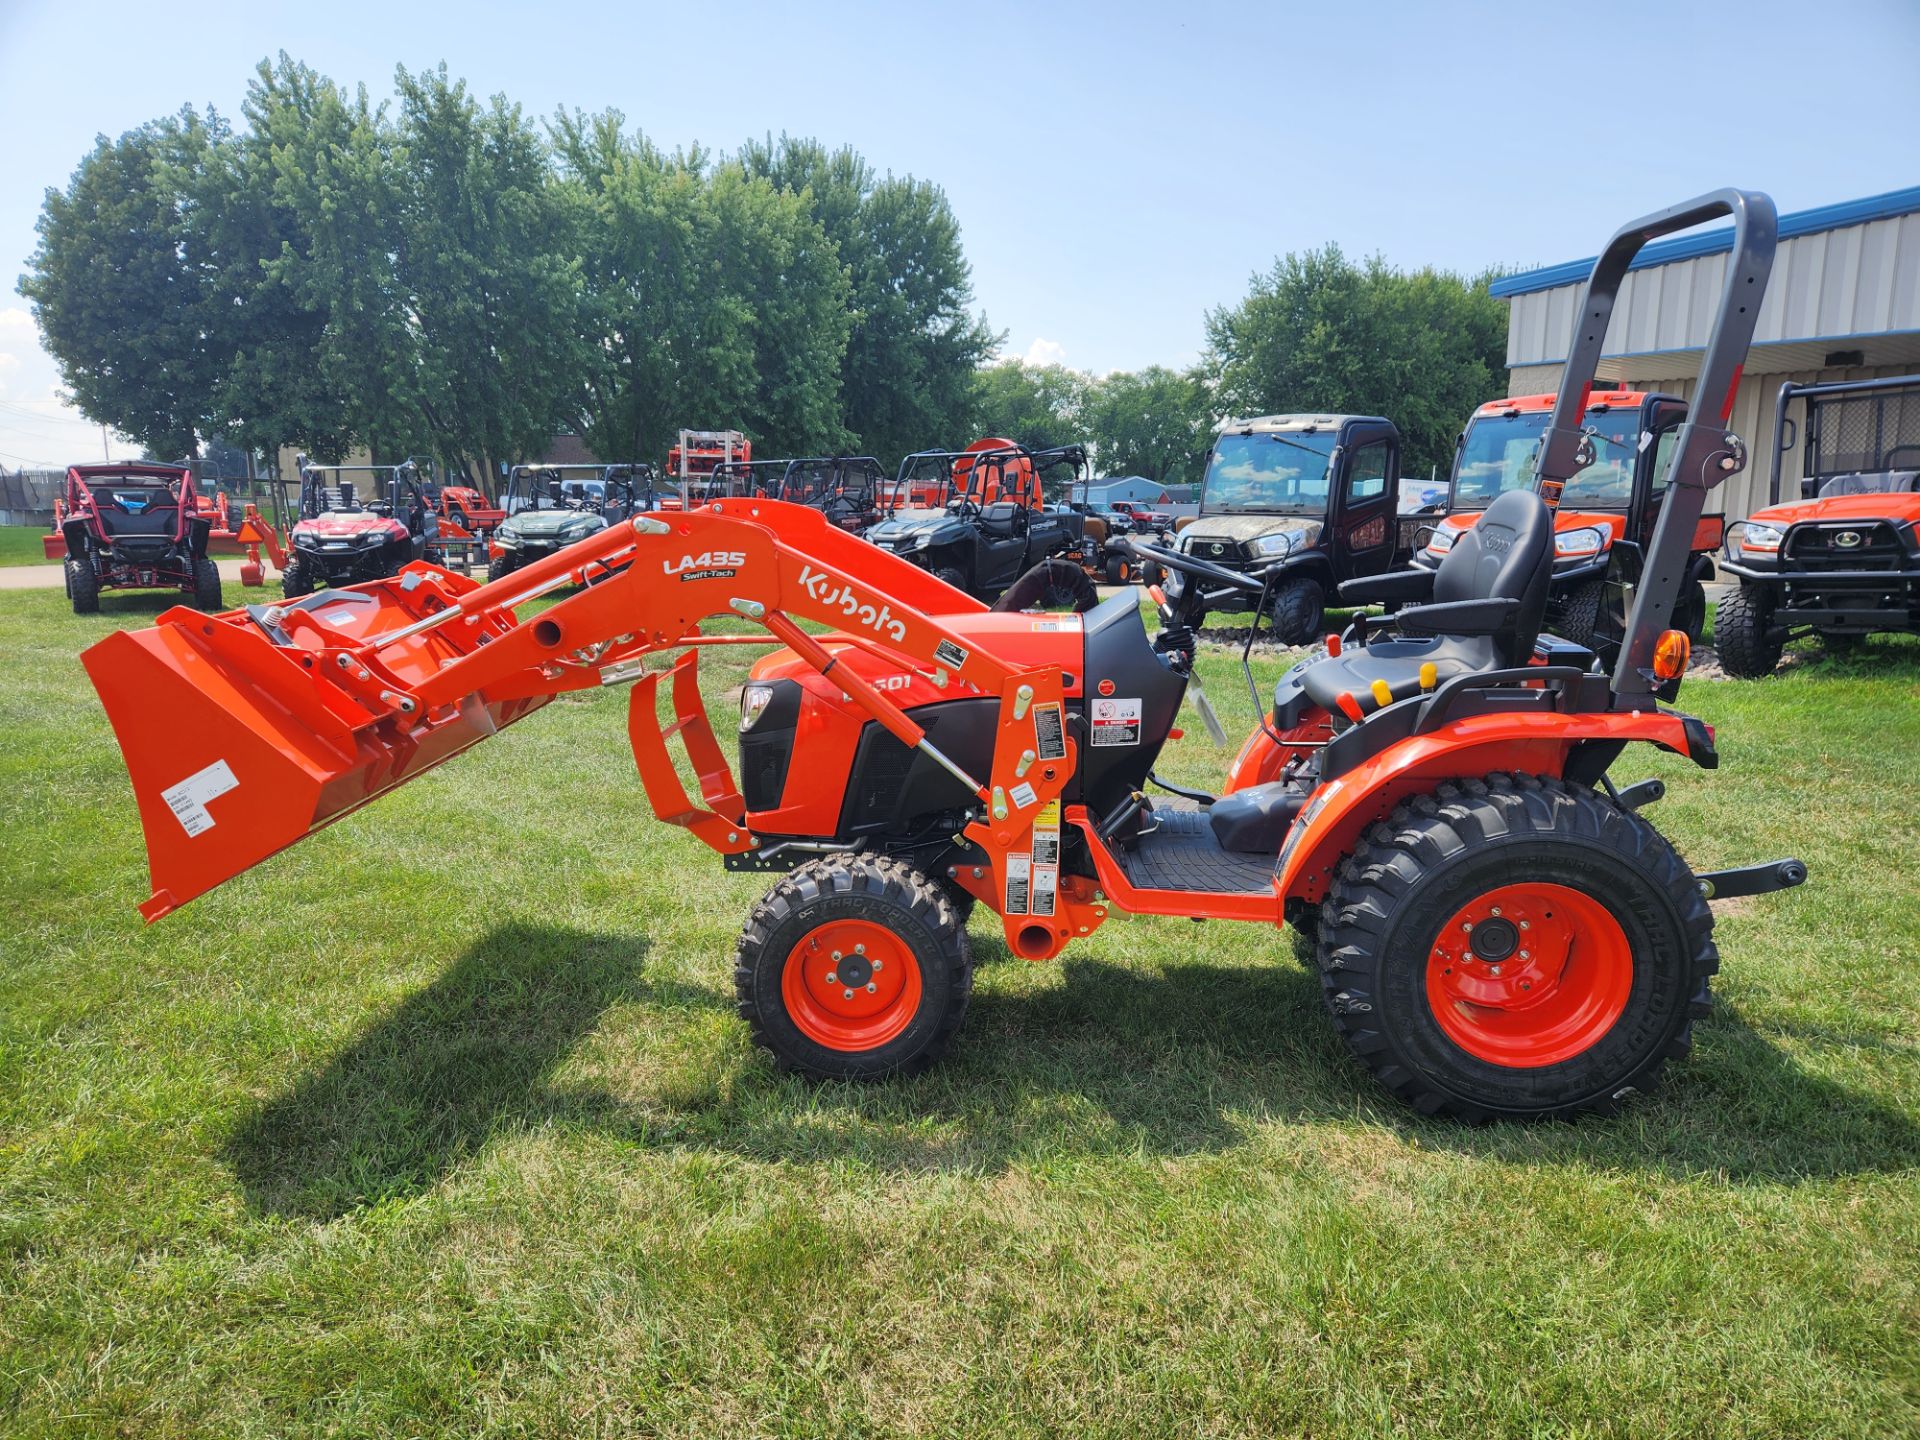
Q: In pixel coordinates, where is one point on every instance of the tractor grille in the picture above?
(1212, 549)
(1869, 545)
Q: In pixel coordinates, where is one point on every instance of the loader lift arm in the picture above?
(307, 710)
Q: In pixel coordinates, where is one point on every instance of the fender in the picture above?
(1536, 743)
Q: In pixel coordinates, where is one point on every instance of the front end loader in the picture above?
(1500, 931)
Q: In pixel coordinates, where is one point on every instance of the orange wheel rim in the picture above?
(1529, 974)
(851, 985)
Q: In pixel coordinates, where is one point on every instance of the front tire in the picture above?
(1515, 948)
(948, 575)
(1690, 611)
(206, 586)
(1740, 633)
(1580, 613)
(297, 579)
(83, 585)
(853, 968)
(1299, 609)
(500, 567)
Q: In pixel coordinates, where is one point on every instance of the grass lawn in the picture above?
(20, 545)
(442, 1123)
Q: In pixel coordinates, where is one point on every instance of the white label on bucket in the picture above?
(188, 800)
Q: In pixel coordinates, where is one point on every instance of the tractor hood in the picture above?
(1230, 530)
(566, 525)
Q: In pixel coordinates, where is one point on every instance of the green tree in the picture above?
(715, 299)
(907, 376)
(1152, 422)
(121, 292)
(1033, 405)
(1318, 332)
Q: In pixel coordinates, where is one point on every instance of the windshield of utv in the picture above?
(1268, 474)
(1498, 455)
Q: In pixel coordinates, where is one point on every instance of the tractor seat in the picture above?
(155, 520)
(1459, 623)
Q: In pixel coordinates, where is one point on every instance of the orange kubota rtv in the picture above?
(1499, 932)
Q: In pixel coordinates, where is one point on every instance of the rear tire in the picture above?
(1740, 633)
(1299, 609)
(1580, 613)
(1116, 570)
(1542, 1040)
(83, 586)
(295, 580)
(206, 586)
(914, 955)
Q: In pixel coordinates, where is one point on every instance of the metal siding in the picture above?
(1861, 280)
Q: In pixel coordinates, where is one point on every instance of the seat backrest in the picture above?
(1508, 554)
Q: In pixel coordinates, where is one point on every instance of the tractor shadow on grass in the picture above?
(1192, 1058)
(427, 1085)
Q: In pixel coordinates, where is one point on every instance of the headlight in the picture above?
(754, 699)
(1587, 540)
(1441, 541)
(923, 539)
(370, 539)
(506, 540)
(1761, 538)
(1277, 543)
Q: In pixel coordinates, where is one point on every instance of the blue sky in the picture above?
(1117, 168)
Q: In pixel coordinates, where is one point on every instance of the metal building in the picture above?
(1844, 304)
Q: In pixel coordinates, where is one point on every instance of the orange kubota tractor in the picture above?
(1500, 932)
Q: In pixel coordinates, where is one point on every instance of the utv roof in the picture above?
(1527, 404)
(1266, 424)
(131, 470)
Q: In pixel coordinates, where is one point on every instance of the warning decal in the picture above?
(1049, 732)
(950, 654)
(1046, 836)
(1024, 796)
(1019, 883)
(188, 800)
(1116, 722)
(1046, 880)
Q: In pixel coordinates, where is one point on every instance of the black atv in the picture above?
(983, 522)
(550, 507)
(1313, 495)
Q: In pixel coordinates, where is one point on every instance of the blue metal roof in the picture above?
(1686, 247)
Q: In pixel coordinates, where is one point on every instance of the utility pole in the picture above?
(105, 454)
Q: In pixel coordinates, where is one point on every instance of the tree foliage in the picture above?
(907, 373)
(1152, 422)
(1319, 332)
(1032, 405)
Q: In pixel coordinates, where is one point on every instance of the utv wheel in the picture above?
(1299, 609)
(853, 968)
(83, 586)
(951, 577)
(500, 567)
(1116, 570)
(295, 581)
(1515, 948)
(1579, 621)
(206, 586)
(1740, 633)
(1690, 610)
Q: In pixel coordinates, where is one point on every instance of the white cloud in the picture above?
(37, 428)
(1045, 352)
(14, 318)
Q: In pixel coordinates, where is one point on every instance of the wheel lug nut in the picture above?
(1496, 909)
(859, 949)
(1525, 926)
(878, 966)
(1493, 970)
(872, 989)
(833, 978)
(846, 994)
(1525, 956)
(836, 954)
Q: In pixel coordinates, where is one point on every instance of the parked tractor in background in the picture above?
(1843, 561)
(1308, 501)
(1605, 515)
(550, 507)
(134, 526)
(989, 522)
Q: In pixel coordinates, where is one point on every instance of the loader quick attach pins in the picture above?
(1497, 934)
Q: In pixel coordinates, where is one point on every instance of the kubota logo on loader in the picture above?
(711, 565)
(835, 595)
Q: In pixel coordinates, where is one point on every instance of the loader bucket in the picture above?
(239, 741)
